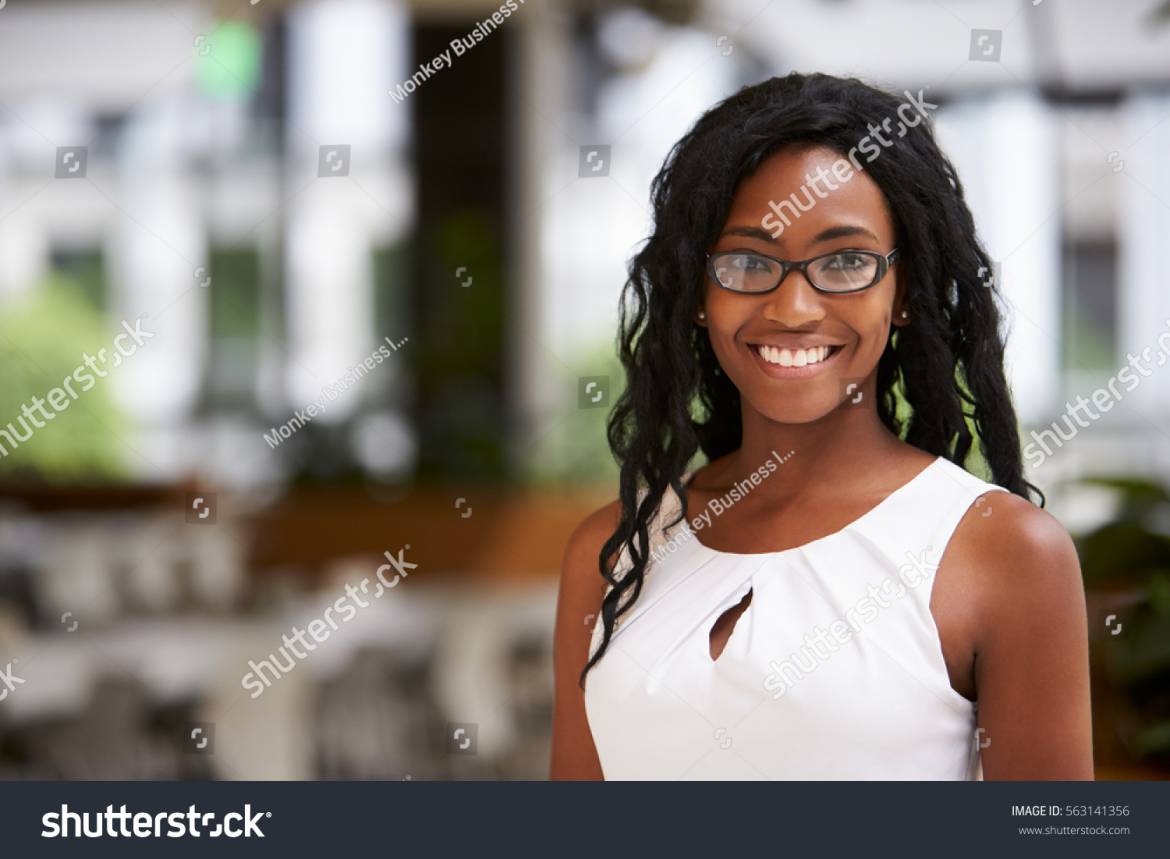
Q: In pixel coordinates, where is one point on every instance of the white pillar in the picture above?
(157, 242)
(1003, 148)
(1143, 239)
(539, 78)
(345, 57)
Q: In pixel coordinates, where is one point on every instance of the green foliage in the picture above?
(570, 444)
(43, 336)
(228, 60)
(457, 357)
(1130, 549)
(1132, 553)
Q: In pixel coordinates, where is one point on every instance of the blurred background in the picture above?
(359, 305)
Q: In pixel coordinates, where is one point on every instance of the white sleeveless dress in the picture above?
(834, 671)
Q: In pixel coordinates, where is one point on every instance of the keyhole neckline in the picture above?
(745, 600)
(918, 478)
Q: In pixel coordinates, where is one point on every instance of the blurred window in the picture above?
(1089, 314)
(86, 267)
(234, 321)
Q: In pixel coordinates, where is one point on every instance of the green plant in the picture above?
(43, 336)
(570, 444)
(1131, 553)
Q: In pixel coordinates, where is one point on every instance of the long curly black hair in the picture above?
(947, 366)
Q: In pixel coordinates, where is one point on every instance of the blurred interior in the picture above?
(251, 189)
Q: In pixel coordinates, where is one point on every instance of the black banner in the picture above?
(273, 818)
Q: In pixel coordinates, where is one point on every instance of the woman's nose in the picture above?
(794, 302)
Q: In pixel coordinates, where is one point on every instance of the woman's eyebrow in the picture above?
(841, 231)
(751, 233)
(837, 232)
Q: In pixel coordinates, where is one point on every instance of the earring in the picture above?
(905, 315)
(702, 315)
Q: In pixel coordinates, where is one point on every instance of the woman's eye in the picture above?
(847, 262)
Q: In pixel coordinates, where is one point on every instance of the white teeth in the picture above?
(793, 357)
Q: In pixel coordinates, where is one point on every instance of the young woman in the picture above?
(832, 595)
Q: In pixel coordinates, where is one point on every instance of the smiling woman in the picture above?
(861, 339)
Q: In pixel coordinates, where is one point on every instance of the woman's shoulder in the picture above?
(593, 531)
(1014, 554)
(582, 586)
(999, 526)
(589, 537)
(1010, 527)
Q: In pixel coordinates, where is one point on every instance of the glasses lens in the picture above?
(745, 272)
(844, 271)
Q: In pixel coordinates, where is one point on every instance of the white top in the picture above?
(834, 671)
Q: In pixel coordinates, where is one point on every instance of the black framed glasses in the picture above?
(835, 273)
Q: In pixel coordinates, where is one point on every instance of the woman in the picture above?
(831, 596)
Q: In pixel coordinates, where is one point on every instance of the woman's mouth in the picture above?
(783, 363)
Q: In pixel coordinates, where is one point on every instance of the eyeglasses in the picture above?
(836, 272)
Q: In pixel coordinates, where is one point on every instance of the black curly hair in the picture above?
(947, 367)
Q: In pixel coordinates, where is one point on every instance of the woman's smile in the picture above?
(794, 363)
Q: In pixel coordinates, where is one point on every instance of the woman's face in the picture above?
(795, 316)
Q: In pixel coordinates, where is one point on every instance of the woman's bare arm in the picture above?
(578, 602)
(1031, 647)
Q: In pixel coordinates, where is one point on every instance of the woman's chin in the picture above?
(797, 408)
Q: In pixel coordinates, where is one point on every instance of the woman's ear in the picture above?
(901, 311)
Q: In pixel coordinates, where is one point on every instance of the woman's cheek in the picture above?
(875, 344)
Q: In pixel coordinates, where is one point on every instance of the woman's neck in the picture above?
(837, 450)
